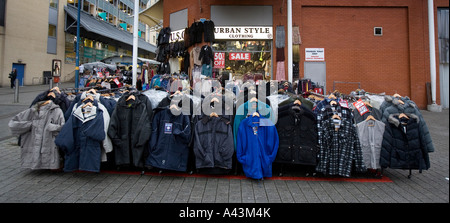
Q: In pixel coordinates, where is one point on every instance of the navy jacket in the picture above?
(257, 146)
(81, 139)
(170, 137)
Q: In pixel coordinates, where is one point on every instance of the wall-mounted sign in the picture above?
(240, 56)
(314, 54)
(219, 60)
(243, 32)
(177, 35)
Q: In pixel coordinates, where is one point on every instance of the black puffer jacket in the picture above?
(403, 144)
(130, 130)
(297, 131)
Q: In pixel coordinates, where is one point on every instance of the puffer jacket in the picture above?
(213, 143)
(170, 137)
(38, 126)
(130, 130)
(392, 105)
(81, 139)
(297, 131)
(403, 144)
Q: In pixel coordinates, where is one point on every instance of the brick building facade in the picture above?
(395, 62)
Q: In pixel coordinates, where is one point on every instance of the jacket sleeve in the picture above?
(145, 129)
(386, 147)
(64, 140)
(184, 135)
(155, 131)
(241, 144)
(21, 123)
(272, 143)
(198, 147)
(114, 129)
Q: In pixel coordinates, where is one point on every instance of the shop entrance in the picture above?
(317, 72)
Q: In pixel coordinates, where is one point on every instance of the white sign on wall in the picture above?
(314, 54)
(177, 35)
(243, 32)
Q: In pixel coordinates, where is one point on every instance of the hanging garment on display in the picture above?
(209, 31)
(296, 38)
(403, 144)
(280, 54)
(257, 146)
(295, 70)
(196, 33)
(164, 36)
(130, 129)
(37, 127)
(280, 37)
(174, 65)
(374, 112)
(207, 70)
(339, 147)
(394, 105)
(206, 55)
(195, 56)
(296, 53)
(370, 134)
(213, 143)
(58, 97)
(81, 138)
(297, 132)
(280, 76)
(168, 147)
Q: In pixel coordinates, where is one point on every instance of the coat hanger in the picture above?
(52, 94)
(331, 96)
(89, 97)
(215, 100)
(56, 89)
(396, 95)
(88, 104)
(370, 117)
(298, 102)
(403, 115)
(213, 114)
(131, 97)
(255, 114)
(174, 106)
(254, 99)
(92, 90)
(335, 116)
(46, 102)
(367, 103)
(333, 103)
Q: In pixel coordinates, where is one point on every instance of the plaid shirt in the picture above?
(338, 149)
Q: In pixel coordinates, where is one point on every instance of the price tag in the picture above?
(361, 107)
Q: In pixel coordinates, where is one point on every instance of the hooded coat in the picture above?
(257, 146)
(297, 131)
(403, 144)
(170, 137)
(81, 139)
(38, 126)
(130, 130)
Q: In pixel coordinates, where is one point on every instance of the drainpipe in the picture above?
(433, 107)
(289, 43)
(135, 40)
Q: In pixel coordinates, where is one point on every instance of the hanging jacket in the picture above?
(38, 126)
(248, 108)
(392, 105)
(129, 130)
(164, 36)
(81, 139)
(206, 55)
(339, 150)
(375, 112)
(297, 131)
(403, 144)
(257, 146)
(168, 146)
(61, 99)
(209, 31)
(370, 134)
(213, 143)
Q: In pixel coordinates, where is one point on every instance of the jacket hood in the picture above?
(393, 118)
(47, 107)
(396, 101)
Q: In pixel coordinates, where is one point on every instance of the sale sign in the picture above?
(240, 56)
(219, 60)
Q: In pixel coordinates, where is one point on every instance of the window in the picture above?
(54, 4)
(51, 30)
(378, 31)
(2, 12)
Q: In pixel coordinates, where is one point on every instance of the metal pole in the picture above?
(77, 60)
(289, 44)
(135, 40)
(432, 50)
(16, 91)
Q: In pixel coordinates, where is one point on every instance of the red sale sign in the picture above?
(219, 60)
(240, 56)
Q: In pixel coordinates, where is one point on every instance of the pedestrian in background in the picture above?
(13, 76)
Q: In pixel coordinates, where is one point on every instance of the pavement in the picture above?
(19, 185)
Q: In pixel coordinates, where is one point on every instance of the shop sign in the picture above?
(219, 60)
(240, 56)
(177, 36)
(243, 32)
(314, 54)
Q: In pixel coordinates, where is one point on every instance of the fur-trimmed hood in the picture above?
(393, 118)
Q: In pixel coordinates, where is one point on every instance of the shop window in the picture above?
(245, 57)
(378, 31)
(51, 30)
(54, 3)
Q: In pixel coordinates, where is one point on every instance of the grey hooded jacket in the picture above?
(38, 127)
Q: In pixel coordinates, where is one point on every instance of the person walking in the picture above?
(13, 76)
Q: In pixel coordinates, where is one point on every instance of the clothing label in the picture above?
(343, 103)
(361, 107)
(168, 128)
(255, 130)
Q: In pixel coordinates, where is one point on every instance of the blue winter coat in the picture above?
(169, 141)
(81, 139)
(257, 146)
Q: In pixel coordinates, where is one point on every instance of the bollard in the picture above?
(50, 83)
(16, 91)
